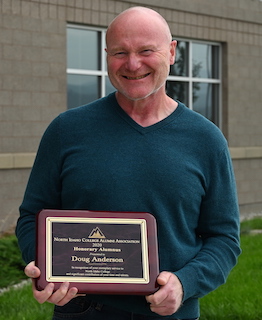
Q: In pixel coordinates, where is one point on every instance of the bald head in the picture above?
(142, 18)
(140, 51)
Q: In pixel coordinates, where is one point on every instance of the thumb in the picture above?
(163, 277)
(32, 271)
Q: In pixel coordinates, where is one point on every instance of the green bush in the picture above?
(11, 263)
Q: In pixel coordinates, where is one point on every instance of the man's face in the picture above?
(139, 57)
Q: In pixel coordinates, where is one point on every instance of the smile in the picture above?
(137, 78)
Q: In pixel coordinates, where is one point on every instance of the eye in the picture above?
(146, 52)
(119, 54)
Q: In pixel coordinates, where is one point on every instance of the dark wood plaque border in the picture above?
(104, 287)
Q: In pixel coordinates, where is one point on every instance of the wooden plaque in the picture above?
(98, 252)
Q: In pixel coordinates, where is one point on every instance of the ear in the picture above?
(173, 45)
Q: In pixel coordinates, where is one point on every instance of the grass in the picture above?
(248, 225)
(11, 263)
(238, 299)
(19, 304)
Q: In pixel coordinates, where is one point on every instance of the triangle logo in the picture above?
(96, 233)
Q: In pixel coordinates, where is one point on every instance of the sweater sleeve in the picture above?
(219, 230)
(42, 191)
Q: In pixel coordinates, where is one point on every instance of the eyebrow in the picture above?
(120, 49)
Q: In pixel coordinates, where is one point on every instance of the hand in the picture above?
(60, 297)
(168, 298)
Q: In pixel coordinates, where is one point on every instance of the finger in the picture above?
(72, 293)
(157, 298)
(161, 305)
(163, 278)
(32, 271)
(163, 310)
(44, 295)
(63, 295)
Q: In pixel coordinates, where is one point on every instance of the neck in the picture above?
(149, 111)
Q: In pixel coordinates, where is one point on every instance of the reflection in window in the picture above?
(204, 57)
(195, 78)
(82, 89)
(205, 99)
(83, 49)
(180, 68)
(178, 91)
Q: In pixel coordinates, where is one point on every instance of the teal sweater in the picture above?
(96, 157)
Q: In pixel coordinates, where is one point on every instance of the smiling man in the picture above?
(139, 150)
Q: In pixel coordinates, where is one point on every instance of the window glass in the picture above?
(82, 89)
(83, 49)
(205, 61)
(180, 68)
(178, 90)
(215, 62)
(109, 87)
(205, 99)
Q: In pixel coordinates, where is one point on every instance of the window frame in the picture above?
(100, 73)
(103, 75)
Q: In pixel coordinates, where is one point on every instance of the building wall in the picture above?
(33, 79)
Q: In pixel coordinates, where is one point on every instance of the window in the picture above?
(87, 78)
(194, 79)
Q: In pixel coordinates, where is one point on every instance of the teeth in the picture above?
(137, 78)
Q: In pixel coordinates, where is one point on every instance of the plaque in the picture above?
(97, 252)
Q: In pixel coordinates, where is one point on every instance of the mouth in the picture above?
(137, 78)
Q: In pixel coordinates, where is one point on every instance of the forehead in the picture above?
(134, 42)
(136, 28)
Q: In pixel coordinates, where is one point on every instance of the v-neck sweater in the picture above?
(95, 157)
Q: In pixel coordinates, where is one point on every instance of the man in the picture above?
(139, 150)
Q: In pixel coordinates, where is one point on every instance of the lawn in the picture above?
(239, 299)
(19, 304)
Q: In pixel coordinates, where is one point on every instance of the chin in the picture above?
(138, 96)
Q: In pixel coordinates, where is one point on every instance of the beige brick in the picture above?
(44, 11)
(87, 4)
(78, 15)
(61, 14)
(70, 14)
(79, 4)
(40, 99)
(5, 97)
(6, 36)
(95, 5)
(6, 6)
(103, 18)
(105, 5)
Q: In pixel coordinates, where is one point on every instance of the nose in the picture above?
(133, 62)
